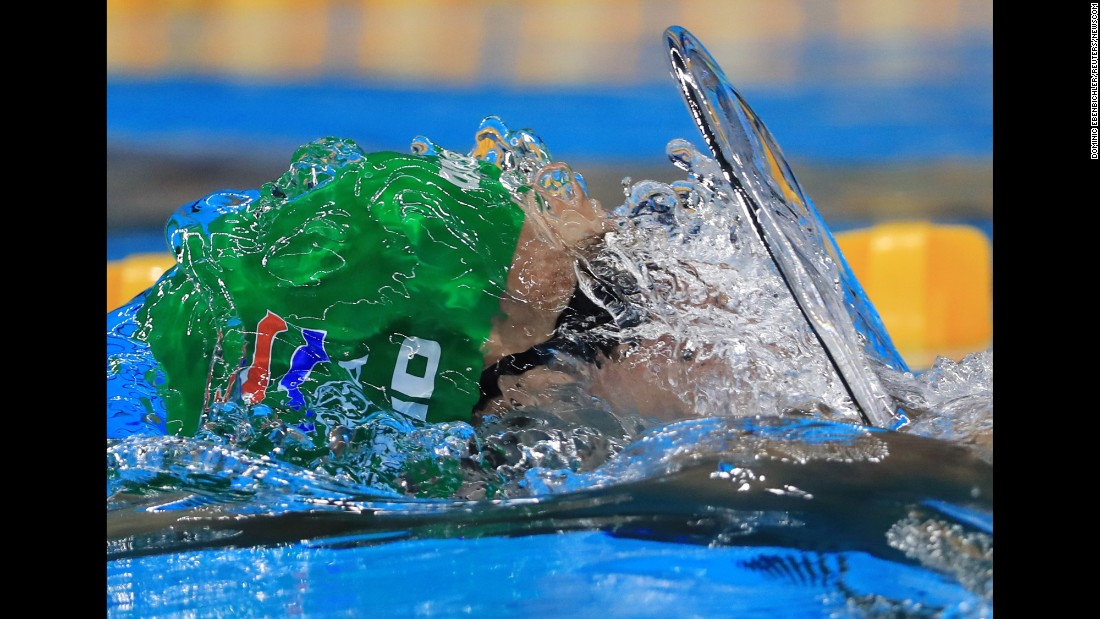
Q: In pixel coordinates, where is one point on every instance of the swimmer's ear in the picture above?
(564, 208)
(538, 221)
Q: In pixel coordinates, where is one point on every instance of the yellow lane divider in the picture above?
(932, 284)
(130, 275)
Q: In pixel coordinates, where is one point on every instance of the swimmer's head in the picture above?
(389, 278)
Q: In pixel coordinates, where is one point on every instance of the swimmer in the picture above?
(434, 285)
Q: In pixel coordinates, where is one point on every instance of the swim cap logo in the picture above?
(301, 364)
(415, 389)
(257, 377)
(411, 385)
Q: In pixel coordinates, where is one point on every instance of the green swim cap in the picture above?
(354, 283)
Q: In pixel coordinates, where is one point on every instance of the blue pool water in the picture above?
(899, 122)
(586, 574)
(704, 518)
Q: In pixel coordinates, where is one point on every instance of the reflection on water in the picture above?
(855, 520)
(698, 444)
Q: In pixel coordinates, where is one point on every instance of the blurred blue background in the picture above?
(883, 107)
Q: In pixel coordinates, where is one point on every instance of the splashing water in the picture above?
(729, 339)
(754, 438)
(704, 312)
